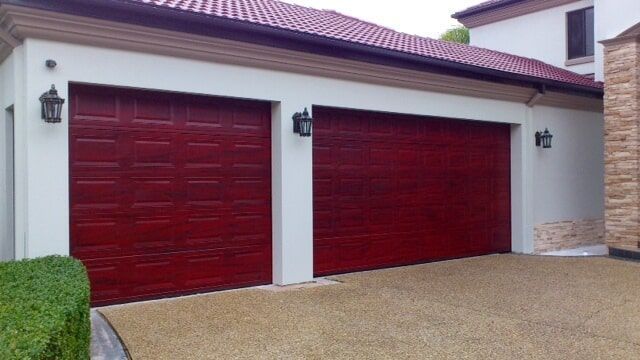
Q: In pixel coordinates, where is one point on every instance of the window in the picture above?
(580, 28)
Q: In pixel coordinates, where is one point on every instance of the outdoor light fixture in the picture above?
(51, 106)
(543, 138)
(51, 64)
(302, 123)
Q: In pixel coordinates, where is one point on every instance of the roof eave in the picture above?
(466, 13)
(231, 29)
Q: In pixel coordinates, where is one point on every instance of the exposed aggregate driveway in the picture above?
(491, 307)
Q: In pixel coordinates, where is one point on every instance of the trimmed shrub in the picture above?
(44, 309)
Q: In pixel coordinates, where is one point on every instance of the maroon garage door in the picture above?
(392, 190)
(170, 194)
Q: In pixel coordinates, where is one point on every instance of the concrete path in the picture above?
(492, 307)
(595, 250)
(105, 344)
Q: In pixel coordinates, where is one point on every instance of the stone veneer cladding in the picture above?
(622, 143)
(563, 235)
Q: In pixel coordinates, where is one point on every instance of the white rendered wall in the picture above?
(7, 241)
(44, 206)
(541, 35)
(612, 17)
(569, 178)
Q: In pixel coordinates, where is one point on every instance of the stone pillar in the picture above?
(622, 141)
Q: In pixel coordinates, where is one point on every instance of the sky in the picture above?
(428, 18)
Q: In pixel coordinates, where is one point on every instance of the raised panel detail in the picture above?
(392, 189)
(170, 193)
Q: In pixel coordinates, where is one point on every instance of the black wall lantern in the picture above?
(51, 106)
(543, 138)
(302, 123)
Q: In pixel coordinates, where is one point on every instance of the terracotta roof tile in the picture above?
(334, 25)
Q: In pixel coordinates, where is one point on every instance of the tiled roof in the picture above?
(333, 25)
(484, 6)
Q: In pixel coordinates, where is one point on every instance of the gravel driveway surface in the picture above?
(498, 307)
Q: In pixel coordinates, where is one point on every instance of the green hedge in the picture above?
(44, 309)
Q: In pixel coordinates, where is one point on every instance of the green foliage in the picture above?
(458, 34)
(44, 309)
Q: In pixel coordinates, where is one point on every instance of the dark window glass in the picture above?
(580, 33)
(589, 31)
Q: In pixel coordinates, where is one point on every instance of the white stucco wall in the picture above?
(611, 18)
(541, 35)
(569, 178)
(44, 218)
(42, 208)
(7, 83)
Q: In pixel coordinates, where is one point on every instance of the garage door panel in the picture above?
(205, 231)
(202, 152)
(381, 184)
(155, 233)
(354, 126)
(501, 207)
(249, 265)
(161, 182)
(407, 129)
(351, 219)
(204, 193)
(109, 278)
(382, 217)
(98, 235)
(381, 127)
(95, 107)
(248, 191)
(379, 155)
(204, 269)
(501, 237)
(393, 189)
(351, 187)
(92, 148)
(153, 111)
(325, 220)
(153, 274)
(97, 194)
(202, 115)
(413, 248)
(248, 119)
(155, 192)
(322, 185)
(350, 155)
(154, 151)
(247, 153)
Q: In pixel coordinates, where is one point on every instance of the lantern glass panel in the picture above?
(546, 139)
(305, 127)
(51, 106)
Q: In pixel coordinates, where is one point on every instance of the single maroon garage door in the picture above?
(392, 190)
(170, 193)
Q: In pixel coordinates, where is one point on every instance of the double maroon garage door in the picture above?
(392, 190)
(170, 193)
